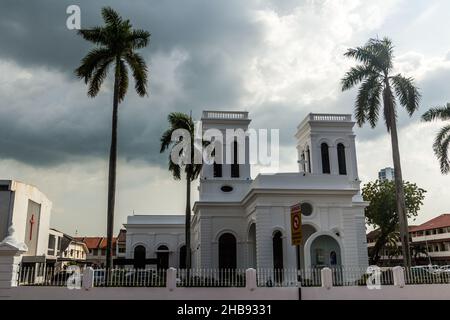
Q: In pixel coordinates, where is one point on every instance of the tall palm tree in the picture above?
(379, 86)
(115, 45)
(442, 141)
(178, 120)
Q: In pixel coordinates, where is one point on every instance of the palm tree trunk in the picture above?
(188, 222)
(112, 172)
(400, 193)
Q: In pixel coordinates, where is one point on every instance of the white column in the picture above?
(250, 279)
(264, 256)
(334, 165)
(327, 278)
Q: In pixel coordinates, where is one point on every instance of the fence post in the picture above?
(399, 276)
(327, 278)
(250, 279)
(171, 280)
(10, 256)
(88, 278)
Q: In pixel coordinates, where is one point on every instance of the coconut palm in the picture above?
(442, 141)
(380, 88)
(178, 120)
(116, 43)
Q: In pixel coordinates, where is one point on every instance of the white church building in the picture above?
(240, 222)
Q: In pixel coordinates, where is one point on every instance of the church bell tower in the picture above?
(227, 179)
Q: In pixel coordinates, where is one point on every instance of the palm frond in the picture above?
(96, 81)
(375, 53)
(441, 148)
(166, 140)
(367, 101)
(374, 102)
(407, 93)
(175, 169)
(110, 16)
(139, 38)
(442, 113)
(356, 75)
(93, 60)
(123, 80)
(140, 72)
(95, 35)
(390, 113)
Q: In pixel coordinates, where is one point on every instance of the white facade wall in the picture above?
(16, 208)
(338, 209)
(153, 232)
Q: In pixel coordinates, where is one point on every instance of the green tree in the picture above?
(178, 120)
(442, 141)
(382, 210)
(379, 87)
(115, 45)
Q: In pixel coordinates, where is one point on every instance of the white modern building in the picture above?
(386, 174)
(240, 222)
(27, 210)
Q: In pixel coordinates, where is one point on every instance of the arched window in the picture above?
(182, 262)
(325, 158)
(277, 243)
(303, 161)
(217, 167)
(227, 251)
(235, 164)
(308, 159)
(252, 246)
(162, 256)
(341, 159)
(139, 257)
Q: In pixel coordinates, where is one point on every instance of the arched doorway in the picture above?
(162, 255)
(227, 251)
(139, 257)
(325, 252)
(277, 244)
(252, 246)
(182, 261)
(307, 231)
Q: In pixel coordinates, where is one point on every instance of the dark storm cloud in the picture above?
(50, 121)
(48, 127)
(34, 32)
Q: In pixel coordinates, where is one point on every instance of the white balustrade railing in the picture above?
(330, 117)
(228, 115)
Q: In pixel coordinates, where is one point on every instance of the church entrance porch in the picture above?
(325, 252)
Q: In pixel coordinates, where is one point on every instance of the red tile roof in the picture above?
(439, 222)
(95, 242)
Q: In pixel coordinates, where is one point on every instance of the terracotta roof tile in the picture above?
(439, 222)
(95, 242)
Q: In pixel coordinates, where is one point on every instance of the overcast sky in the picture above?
(277, 59)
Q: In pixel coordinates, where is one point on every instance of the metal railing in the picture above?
(288, 277)
(211, 278)
(41, 275)
(129, 277)
(357, 276)
(426, 275)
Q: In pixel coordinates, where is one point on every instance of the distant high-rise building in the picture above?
(386, 174)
